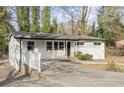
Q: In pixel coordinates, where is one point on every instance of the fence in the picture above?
(32, 60)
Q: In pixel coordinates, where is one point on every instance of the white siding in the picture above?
(50, 54)
(98, 52)
(31, 58)
(41, 55)
(14, 52)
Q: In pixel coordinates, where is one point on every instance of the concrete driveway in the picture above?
(63, 74)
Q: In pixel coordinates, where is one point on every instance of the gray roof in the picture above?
(49, 36)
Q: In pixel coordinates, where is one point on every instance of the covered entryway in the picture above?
(57, 49)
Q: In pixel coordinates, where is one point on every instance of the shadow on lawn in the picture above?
(12, 78)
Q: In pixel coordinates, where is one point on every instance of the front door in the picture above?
(68, 49)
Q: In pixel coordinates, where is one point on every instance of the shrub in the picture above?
(111, 66)
(81, 56)
(78, 55)
(87, 57)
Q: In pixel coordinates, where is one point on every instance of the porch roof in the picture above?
(49, 36)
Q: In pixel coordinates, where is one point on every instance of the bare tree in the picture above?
(71, 12)
(110, 18)
(85, 13)
(80, 15)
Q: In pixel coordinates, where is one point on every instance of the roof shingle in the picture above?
(49, 36)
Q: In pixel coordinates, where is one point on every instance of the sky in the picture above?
(57, 12)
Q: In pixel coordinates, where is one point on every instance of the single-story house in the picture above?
(34, 48)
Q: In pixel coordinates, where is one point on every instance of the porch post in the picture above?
(58, 45)
(76, 48)
(66, 49)
(39, 59)
(53, 49)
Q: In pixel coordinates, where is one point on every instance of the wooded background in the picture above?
(107, 22)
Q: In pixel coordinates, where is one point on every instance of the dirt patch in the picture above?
(35, 75)
(118, 59)
(101, 67)
(121, 68)
(95, 66)
(4, 57)
(5, 68)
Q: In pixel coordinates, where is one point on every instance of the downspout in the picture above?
(20, 63)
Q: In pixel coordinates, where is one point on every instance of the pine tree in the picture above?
(46, 19)
(54, 26)
(93, 33)
(109, 24)
(35, 27)
(23, 15)
(104, 19)
(4, 23)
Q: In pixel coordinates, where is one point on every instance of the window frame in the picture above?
(30, 45)
(97, 43)
(56, 47)
(79, 44)
(49, 46)
(61, 47)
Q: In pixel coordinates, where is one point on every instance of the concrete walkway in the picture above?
(64, 74)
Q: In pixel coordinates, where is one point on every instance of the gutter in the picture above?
(60, 39)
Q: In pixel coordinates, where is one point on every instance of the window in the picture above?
(80, 43)
(49, 46)
(61, 45)
(97, 43)
(55, 45)
(30, 45)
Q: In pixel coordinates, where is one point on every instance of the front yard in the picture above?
(102, 64)
(63, 74)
